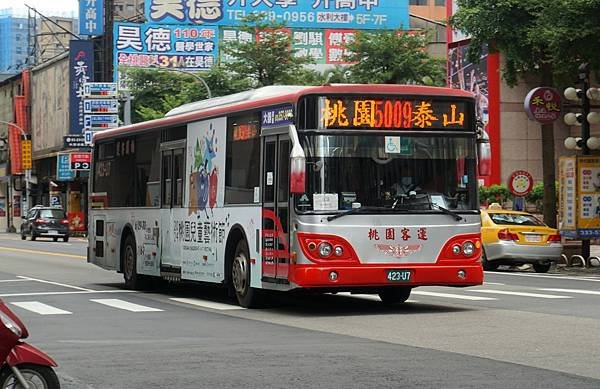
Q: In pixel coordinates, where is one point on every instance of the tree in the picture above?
(157, 91)
(536, 37)
(269, 59)
(393, 57)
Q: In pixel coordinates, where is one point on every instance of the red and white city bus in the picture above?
(360, 188)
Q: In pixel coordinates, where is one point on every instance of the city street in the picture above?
(517, 330)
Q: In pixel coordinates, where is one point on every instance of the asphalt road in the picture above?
(517, 330)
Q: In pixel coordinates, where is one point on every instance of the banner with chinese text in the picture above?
(567, 209)
(363, 14)
(588, 225)
(81, 70)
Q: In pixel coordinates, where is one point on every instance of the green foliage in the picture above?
(393, 57)
(546, 37)
(536, 196)
(494, 194)
(156, 91)
(268, 60)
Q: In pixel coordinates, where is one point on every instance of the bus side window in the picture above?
(178, 169)
(166, 179)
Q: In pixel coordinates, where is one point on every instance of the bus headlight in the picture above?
(338, 251)
(325, 250)
(468, 248)
(456, 249)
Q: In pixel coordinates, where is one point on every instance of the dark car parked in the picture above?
(48, 222)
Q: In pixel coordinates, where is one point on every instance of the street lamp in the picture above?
(582, 101)
(197, 77)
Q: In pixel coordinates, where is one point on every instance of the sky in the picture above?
(46, 7)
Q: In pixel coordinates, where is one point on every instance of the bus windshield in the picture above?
(346, 171)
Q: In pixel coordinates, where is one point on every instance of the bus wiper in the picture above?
(455, 215)
(356, 210)
(405, 206)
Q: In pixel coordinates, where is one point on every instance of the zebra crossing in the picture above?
(129, 301)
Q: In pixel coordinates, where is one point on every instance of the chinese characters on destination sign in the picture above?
(91, 17)
(365, 14)
(392, 113)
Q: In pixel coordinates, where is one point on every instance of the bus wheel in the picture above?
(395, 295)
(128, 259)
(247, 296)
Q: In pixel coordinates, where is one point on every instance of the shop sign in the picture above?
(74, 141)
(520, 183)
(588, 169)
(365, 14)
(100, 89)
(101, 106)
(2, 206)
(101, 122)
(91, 17)
(80, 161)
(63, 168)
(543, 105)
(81, 70)
(567, 210)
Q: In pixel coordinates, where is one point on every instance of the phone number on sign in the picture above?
(166, 61)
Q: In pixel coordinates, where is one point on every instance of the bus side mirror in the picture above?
(298, 175)
(484, 150)
(297, 164)
(484, 158)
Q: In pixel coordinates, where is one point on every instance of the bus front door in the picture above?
(171, 202)
(275, 213)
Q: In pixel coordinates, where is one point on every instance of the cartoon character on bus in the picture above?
(204, 174)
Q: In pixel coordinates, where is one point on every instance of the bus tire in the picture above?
(133, 280)
(247, 296)
(394, 295)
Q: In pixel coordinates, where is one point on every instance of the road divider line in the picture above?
(522, 294)
(43, 252)
(579, 291)
(55, 283)
(65, 293)
(121, 304)
(41, 308)
(206, 304)
(452, 296)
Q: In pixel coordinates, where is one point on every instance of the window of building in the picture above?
(417, 2)
(242, 165)
(440, 3)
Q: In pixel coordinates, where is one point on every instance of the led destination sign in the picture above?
(348, 112)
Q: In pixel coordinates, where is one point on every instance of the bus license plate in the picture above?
(399, 275)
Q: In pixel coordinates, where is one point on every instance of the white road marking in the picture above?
(41, 308)
(452, 296)
(580, 291)
(551, 276)
(207, 304)
(55, 283)
(522, 294)
(60, 293)
(19, 280)
(493, 283)
(121, 304)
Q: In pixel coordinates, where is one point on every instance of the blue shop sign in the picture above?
(359, 14)
(63, 171)
(91, 17)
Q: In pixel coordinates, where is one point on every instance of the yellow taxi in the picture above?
(517, 238)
